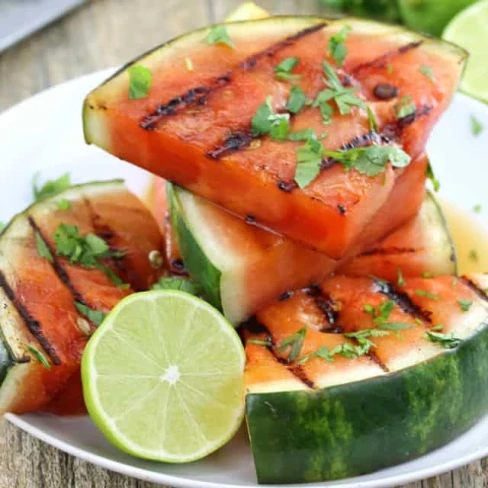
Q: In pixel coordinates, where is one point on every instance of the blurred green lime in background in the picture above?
(429, 16)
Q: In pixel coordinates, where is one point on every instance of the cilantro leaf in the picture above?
(174, 283)
(94, 316)
(295, 343)
(296, 101)
(401, 279)
(50, 187)
(302, 135)
(219, 35)
(405, 107)
(266, 121)
(42, 248)
(280, 126)
(336, 47)
(38, 355)
(447, 341)
(259, 342)
(465, 305)
(427, 294)
(322, 353)
(309, 160)
(478, 208)
(283, 70)
(427, 71)
(64, 204)
(373, 124)
(140, 79)
(476, 126)
(394, 326)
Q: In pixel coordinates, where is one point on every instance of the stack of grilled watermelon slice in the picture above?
(364, 349)
(295, 151)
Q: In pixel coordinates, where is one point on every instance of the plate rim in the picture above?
(178, 481)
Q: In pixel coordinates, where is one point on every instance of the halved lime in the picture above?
(163, 377)
(469, 29)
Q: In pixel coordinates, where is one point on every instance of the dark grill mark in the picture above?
(389, 250)
(32, 324)
(372, 355)
(234, 142)
(250, 219)
(254, 326)
(327, 306)
(411, 118)
(287, 186)
(382, 60)
(474, 287)
(402, 300)
(57, 266)
(342, 209)
(194, 95)
(178, 266)
(285, 296)
(384, 91)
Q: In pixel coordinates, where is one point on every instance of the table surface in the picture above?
(101, 34)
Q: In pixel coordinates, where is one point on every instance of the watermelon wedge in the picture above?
(49, 304)
(194, 126)
(359, 374)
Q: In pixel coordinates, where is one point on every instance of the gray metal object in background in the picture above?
(20, 18)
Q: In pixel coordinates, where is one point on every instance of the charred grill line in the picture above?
(372, 355)
(382, 60)
(326, 305)
(57, 266)
(474, 287)
(234, 142)
(402, 300)
(32, 324)
(254, 326)
(389, 250)
(198, 94)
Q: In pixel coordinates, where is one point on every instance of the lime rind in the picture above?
(127, 382)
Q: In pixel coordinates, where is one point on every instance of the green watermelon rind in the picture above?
(357, 428)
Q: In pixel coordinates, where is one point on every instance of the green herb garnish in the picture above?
(427, 294)
(140, 79)
(477, 208)
(465, 305)
(438, 327)
(85, 250)
(94, 316)
(322, 353)
(266, 121)
(64, 204)
(431, 176)
(427, 71)
(373, 124)
(283, 70)
(219, 35)
(38, 355)
(476, 126)
(336, 46)
(50, 187)
(174, 283)
(295, 343)
(394, 326)
(400, 279)
(296, 101)
(445, 340)
(309, 160)
(302, 135)
(405, 107)
(259, 342)
(42, 248)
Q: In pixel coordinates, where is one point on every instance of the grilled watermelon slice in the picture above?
(351, 401)
(47, 301)
(242, 268)
(194, 127)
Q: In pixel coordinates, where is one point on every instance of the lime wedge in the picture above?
(247, 11)
(163, 377)
(469, 29)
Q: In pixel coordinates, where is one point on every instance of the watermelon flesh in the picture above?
(39, 297)
(194, 127)
(336, 415)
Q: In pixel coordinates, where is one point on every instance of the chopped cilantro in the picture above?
(283, 70)
(465, 305)
(64, 204)
(259, 342)
(302, 135)
(296, 101)
(295, 343)
(394, 326)
(42, 248)
(427, 294)
(309, 160)
(174, 283)
(370, 160)
(438, 327)
(445, 340)
(477, 208)
(405, 107)
(431, 176)
(427, 71)
(140, 79)
(322, 353)
(336, 46)
(38, 355)
(400, 279)
(476, 126)
(219, 35)
(266, 121)
(373, 124)
(94, 316)
(50, 187)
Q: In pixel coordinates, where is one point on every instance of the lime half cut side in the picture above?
(469, 29)
(163, 377)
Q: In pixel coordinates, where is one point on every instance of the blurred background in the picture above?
(45, 42)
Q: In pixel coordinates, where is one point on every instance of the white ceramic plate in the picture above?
(44, 134)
